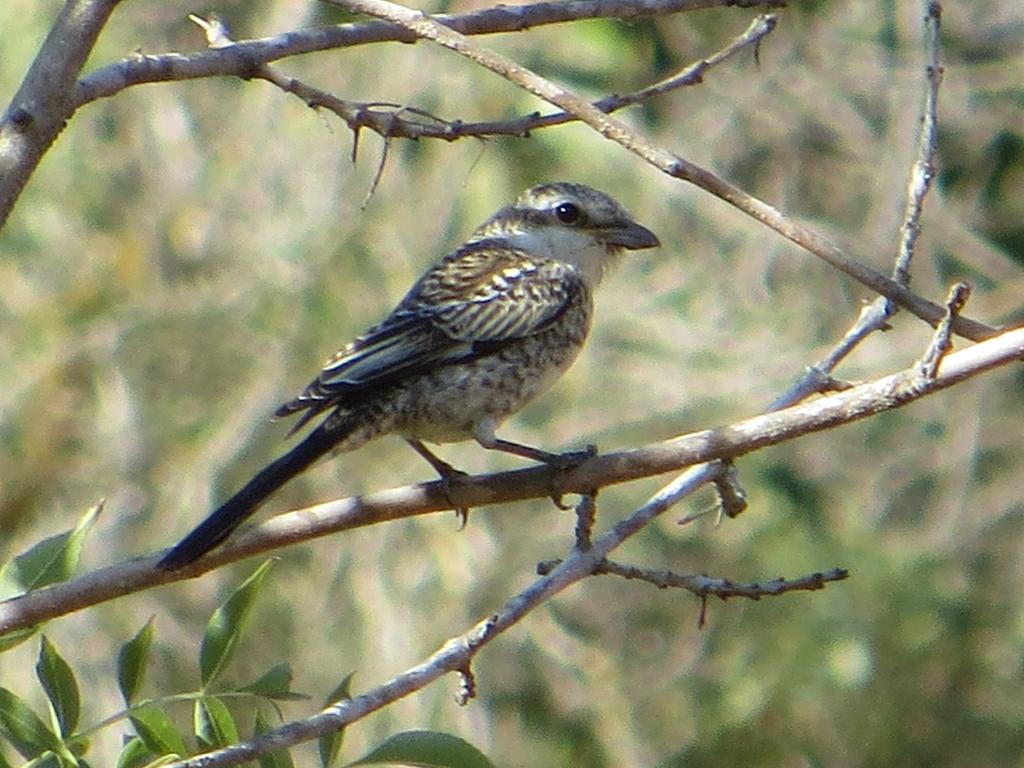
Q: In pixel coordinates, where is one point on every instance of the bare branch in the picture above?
(388, 120)
(818, 377)
(50, 95)
(876, 315)
(457, 653)
(704, 586)
(669, 163)
(44, 102)
(922, 173)
(537, 482)
(940, 343)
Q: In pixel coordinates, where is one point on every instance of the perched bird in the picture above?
(480, 334)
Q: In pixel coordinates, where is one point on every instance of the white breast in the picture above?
(573, 246)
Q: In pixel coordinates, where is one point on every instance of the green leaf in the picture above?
(131, 662)
(226, 625)
(275, 684)
(45, 760)
(51, 560)
(79, 746)
(157, 731)
(330, 745)
(426, 748)
(58, 680)
(16, 637)
(134, 754)
(23, 728)
(278, 759)
(213, 723)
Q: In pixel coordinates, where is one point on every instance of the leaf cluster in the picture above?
(55, 738)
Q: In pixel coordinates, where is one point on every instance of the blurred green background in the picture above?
(188, 254)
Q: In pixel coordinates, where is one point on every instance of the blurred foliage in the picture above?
(188, 253)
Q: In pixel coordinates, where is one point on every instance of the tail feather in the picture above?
(233, 512)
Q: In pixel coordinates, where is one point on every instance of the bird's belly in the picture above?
(445, 405)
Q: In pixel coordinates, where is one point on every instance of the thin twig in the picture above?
(387, 119)
(705, 586)
(669, 163)
(922, 172)
(586, 515)
(941, 343)
(818, 377)
(875, 316)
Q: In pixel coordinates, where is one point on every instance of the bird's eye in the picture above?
(568, 213)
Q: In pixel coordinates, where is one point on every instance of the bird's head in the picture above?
(569, 222)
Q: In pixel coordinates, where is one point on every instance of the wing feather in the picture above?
(481, 296)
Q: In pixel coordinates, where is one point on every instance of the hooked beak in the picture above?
(631, 236)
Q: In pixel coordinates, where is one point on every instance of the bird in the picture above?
(480, 334)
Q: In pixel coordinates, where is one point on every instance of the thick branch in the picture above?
(537, 482)
(44, 102)
(458, 652)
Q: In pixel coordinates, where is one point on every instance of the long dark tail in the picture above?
(233, 512)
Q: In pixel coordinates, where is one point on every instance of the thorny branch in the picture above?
(49, 95)
(709, 586)
(247, 54)
(387, 120)
(702, 585)
(666, 161)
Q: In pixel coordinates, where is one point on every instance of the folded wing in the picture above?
(471, 304)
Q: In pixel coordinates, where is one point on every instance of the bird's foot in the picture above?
(571, 459)
(450, 481)
(450, 477)
(566, 461)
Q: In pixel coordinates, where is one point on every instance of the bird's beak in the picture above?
(631, 236)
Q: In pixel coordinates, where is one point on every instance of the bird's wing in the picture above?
(488, 293)
(469, 304)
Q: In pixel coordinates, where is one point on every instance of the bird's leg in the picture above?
(484, 434)
(566, 460)
(442, 467)
(449, 475)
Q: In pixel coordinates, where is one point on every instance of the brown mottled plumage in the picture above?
(480, 334)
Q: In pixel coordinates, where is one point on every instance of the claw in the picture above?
(566, 461)
(449, 476)
(556, 499)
